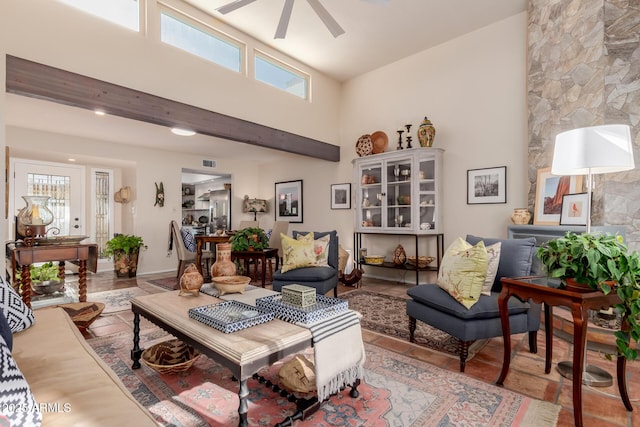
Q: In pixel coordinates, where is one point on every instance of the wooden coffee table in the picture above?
(244, 352)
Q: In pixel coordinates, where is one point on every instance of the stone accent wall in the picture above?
(584, 70)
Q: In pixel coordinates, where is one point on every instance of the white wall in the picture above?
(473, 89)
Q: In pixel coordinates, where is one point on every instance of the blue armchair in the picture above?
(323, 279)
(434, 306)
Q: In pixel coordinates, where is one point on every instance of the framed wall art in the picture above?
(550, 190)
(341, 196)
(487, 185)
(288, 201)
(574, 209)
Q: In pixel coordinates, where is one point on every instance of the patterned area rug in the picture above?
(116, 300)
(387, 315)
(397, 391)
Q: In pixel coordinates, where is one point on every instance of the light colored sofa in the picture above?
(71, 384)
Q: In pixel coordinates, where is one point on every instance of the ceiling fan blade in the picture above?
(281, 31)
(230, 7)
(334, 28)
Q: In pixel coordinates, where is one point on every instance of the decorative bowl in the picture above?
(170, 357)
(231, 284)
(374, 259)
(47, 287)
(421, 262)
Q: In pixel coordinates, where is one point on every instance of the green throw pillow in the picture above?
(463, 271)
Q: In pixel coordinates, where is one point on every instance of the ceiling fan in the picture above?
(332, 25)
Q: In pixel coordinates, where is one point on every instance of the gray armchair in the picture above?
(323, 279)
(434, 306)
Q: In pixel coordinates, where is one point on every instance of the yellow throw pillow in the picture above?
(463, 270)
(320, 248)
(493, 252)
(297, 253)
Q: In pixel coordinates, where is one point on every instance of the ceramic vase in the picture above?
(520, 216)
(426, 133)
(399, 255)
(191, 281)
(223, 265)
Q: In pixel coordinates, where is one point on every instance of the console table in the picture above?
(22, 257)
(541, 290)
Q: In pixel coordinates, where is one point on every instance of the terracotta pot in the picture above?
(191, 281)
(223, 265)
(520, 216)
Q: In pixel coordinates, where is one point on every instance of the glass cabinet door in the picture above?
(398, 196)
(427, 193)
(370, 196)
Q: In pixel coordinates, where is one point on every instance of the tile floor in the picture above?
(601, 406)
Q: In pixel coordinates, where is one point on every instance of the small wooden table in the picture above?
(23, 256)
(256, 256)
(201, 240)
(541, 290)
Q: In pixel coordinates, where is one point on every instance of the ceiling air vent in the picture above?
(209, 163)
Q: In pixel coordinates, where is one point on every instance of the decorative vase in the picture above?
(223, 265)
(399, 255)
(520, 216)
(191, 281)
(426, 133)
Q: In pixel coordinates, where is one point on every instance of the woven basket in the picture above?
(422, 261)
(170, 357)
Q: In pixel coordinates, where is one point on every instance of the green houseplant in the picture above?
(125, 248)
(249, 239)
(600, 261)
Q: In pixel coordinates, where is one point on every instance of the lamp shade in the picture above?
(593, 150)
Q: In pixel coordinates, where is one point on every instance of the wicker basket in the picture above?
(170, 357)
(422, 261)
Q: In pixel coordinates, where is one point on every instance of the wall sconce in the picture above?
(254, 205)
(123, 195)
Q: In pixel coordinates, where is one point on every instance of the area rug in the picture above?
(388, 315)
(168, 283)
(396, 391)
(117, 299)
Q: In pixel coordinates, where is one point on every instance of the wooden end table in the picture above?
(541, 290)
(255, 256)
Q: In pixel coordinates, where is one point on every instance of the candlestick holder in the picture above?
(408, 126)
(400, 132)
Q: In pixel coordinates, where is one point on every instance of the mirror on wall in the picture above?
(206, 201)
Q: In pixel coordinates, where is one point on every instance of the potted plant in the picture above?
(249, 239)
(600, 261)
(125, 249)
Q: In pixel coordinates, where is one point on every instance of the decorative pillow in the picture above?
(5, 333)
(297, 253)
(493, 252)
(17, 403)
(189, 241)
(16, 312)
(463, 271)
(320, 248)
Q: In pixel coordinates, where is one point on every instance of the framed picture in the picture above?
(574, 209)
(487, 185)
(341, 196)
(288, 201)
(550, 190)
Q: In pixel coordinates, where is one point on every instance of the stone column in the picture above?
(584, 70)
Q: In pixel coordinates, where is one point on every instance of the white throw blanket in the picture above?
(338, 353)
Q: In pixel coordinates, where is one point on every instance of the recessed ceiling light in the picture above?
(71, 160)
(99, 112)
(182, 132)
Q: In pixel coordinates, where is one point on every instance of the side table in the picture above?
(541, 290)
(256, 256)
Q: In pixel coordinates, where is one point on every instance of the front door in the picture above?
(64, 183)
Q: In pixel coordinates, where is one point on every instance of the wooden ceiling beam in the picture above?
(41, 81)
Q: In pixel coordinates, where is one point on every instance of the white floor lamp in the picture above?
(590, 151)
